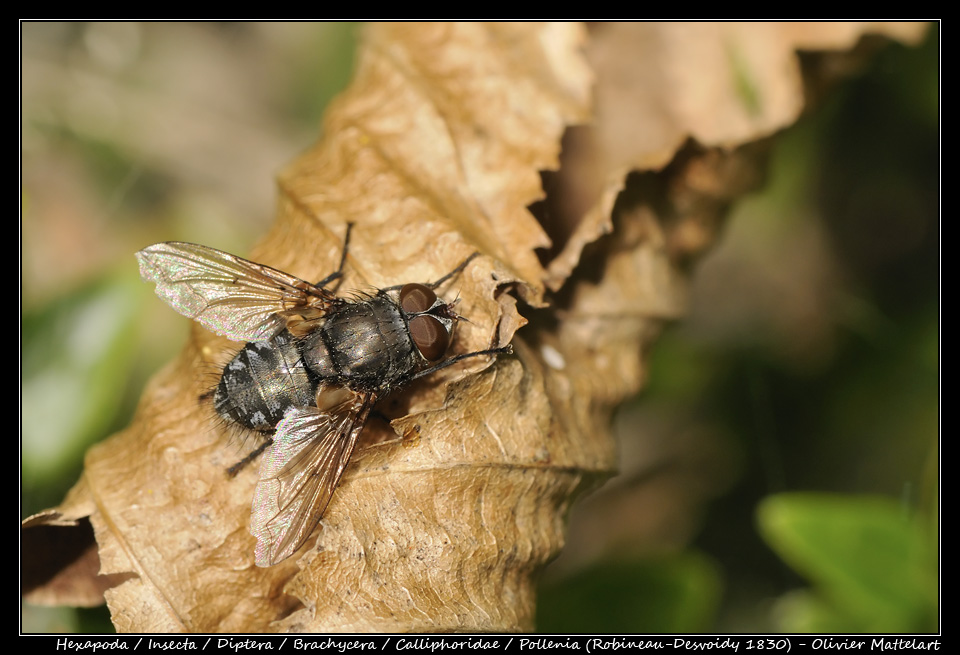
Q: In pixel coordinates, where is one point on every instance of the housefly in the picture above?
(312, 370)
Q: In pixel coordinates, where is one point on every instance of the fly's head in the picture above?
(431, 320)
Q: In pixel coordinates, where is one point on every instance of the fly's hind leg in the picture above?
(242, 464)
(239, 466)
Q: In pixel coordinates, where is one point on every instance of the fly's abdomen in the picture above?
(263, 382)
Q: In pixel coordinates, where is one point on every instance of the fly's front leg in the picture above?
(433, 285)
(502, 350)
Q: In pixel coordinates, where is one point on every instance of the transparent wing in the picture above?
(300, 472)
(237, 298)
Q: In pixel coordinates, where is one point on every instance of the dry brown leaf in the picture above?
(435, 152)
(660, 84)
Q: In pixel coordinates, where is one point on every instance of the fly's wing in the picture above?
(237, 298)
(299, 473)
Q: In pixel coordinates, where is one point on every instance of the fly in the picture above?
(313, 368)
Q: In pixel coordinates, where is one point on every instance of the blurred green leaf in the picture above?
(671, 593)
(869, 561)
(78, 352)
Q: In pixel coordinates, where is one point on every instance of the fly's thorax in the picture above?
(365, 345)
(376, 344)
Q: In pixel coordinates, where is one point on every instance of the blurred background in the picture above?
(780, 470)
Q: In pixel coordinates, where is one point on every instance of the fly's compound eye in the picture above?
(416, 298)
(429, 335)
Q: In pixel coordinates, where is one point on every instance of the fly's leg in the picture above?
(337, 274)
(433, 285)
(239, 466)
(503, 350)
(459, 269)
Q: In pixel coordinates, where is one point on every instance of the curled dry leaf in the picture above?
(435, 151)
(662, 84)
